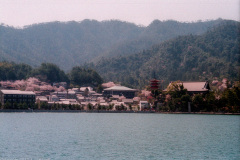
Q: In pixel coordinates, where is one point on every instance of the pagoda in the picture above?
(154, 84)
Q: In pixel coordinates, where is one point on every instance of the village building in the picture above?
(41, 99)
(17, 96)
(127, 101)
(120, 90)
(65, 102)
(60, 84)
(64, 95)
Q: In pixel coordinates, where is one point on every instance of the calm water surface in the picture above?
(118, 136)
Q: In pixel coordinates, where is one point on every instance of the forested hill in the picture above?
(74, 43)
(187, 58)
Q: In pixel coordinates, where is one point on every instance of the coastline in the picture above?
(99, 111)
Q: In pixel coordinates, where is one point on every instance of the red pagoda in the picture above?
(154, 84)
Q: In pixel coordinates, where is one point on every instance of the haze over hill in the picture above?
(75, 43)
(214, 54)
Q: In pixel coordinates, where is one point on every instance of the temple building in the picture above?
(192, 87)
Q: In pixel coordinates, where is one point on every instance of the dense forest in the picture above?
(121, 51)
(48, 72)
(75, 43)
(188, 58)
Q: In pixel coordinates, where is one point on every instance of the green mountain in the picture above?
(75, 43)
(188, 58)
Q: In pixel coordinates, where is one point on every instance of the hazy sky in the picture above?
(25, 12)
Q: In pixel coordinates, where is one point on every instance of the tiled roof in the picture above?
(17, 92)
(195, 86)
(119, 88)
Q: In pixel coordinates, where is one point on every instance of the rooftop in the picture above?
(17, 92)
(119, 88)
(193, 86)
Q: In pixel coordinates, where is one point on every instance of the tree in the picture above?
(99, 88)
(197, 103)
(7, 105)
(81, 76)
(25, 106)
(49, 72)
(130, 107)
(90, 106)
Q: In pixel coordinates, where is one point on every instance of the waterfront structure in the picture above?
(120, 90)
(17, 96)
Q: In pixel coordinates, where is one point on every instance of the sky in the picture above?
(19, 13)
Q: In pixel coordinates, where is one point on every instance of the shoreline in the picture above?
(99, 111)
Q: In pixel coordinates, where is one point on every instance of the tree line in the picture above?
(49, 72)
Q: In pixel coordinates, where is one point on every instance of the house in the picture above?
(41, 99)
(63, 84)
(120, 90)
(192, 87)
(127, 101)
(84, 88)
(54, 98)
(65, 95)
(17, 96)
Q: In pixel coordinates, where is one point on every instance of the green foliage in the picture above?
(227, 101)
(186, 58)
(197, 103)
(81, 76)
(74, 43)
(99, 88)
(230, 100)
(49, 72)
(179, 98)
(13, 71)
(90, 106)
(7, 105)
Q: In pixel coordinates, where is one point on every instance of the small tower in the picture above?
(154, 84)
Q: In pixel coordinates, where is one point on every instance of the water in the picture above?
(118, 136)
